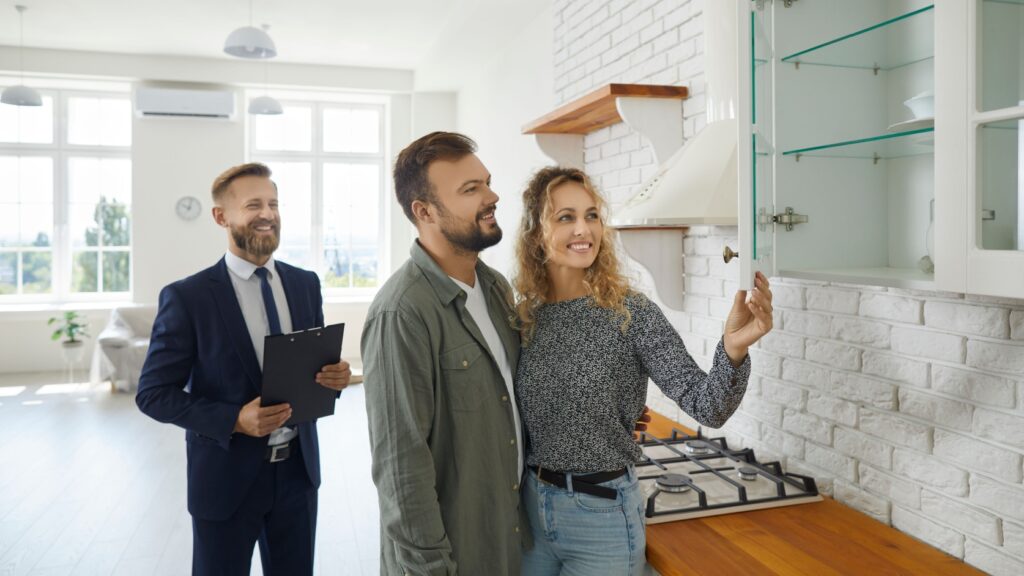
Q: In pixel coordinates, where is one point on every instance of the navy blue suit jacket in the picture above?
(201, 369)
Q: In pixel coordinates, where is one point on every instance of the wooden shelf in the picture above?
(597, 109)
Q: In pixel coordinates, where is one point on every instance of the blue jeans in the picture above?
(577, 534)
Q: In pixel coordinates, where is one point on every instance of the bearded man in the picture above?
(439, 350)
(250, 478)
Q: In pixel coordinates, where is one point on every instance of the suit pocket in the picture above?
(465, 371)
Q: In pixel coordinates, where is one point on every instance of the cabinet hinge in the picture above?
(789, 218)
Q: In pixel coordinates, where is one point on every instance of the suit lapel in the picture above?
(234, 322)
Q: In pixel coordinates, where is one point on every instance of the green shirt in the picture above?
(442, 433)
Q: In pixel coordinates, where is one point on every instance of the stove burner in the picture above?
(673, 482)
(747, 473)
(697, 447)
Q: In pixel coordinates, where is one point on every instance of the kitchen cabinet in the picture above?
(880, 143)
(837, 176)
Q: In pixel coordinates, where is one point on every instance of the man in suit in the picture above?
(250, 478)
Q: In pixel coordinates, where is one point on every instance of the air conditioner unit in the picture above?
(152, 101)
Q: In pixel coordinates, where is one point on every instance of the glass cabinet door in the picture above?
(756, 155)
(996, 226)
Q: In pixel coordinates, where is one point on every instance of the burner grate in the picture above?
(726, 469)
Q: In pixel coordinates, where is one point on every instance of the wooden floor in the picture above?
(90, 486)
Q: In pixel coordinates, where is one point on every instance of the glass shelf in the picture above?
(891, 44)
(886, 146)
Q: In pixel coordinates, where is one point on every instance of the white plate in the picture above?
(913, 124)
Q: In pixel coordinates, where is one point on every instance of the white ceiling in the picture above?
(379, 33)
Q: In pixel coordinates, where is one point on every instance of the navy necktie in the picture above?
(268, 301)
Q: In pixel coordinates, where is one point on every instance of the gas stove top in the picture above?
(687, 476)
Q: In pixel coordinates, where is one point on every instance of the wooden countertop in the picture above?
(815, 539)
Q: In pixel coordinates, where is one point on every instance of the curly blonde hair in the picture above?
(607, 285)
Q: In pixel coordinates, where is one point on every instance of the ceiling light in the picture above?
(250, 42)
(21, 95)
(265, 105)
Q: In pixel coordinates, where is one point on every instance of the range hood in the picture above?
(697, 184)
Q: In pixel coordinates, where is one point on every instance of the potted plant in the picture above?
(71, 327)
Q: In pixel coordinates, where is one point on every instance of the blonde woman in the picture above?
(590, 343)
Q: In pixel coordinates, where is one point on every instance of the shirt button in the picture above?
(465, 363)
(504, 398)
(512, 441)
(515, 487)
(517, 528)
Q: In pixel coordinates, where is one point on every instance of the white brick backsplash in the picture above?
(946, 539)
(702, 285)
(832, 300)
(863, 390)
(789, 444)
(821, 477)
(877, 508)
(1017, 325)
(974, 386)
(993, 356)
(810, 427)
(744, 425)
(809, 375)
(863, 447)
(1005, 428)
(787, 296)
(969, 519)
(928, 344)
(992, 560)
(892, 308)
(896, 489)
(831, 408)
(710, 327)
(974, 454)
(783, 344)
(1003, 499)
(823, 457)
(765, 363)
(783, 394)
(832, 354)
(1013, 538)
(865, 332)
(765, 411)
(895, 429)
(679, 15)
(806, 323)
(895, 368)
(980, 320)
(936, 409)
(696, 304)
(930, 472)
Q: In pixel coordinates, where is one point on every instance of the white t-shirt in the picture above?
(476, 304)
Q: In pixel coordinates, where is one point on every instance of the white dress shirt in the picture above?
(250, 299)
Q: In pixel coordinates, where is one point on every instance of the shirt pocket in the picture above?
(464, 370)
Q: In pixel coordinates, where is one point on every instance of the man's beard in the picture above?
(471, 238)
(252, 242)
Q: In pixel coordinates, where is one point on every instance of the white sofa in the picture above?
(121, 347)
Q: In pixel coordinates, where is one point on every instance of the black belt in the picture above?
(280, 452)
(586, 483)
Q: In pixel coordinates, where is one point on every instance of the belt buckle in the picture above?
(279, 453)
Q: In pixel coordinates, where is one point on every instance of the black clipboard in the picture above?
(290, 365)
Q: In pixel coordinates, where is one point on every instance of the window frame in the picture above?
(317, 157)
(60, 151)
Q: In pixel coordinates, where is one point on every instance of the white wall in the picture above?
(906, 405)
(501, 86)
(173, 157)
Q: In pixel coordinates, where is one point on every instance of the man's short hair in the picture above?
(223, 182)
(411, 183)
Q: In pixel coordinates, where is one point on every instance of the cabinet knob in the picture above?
(728, 254)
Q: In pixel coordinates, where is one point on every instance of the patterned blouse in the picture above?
(582, 382)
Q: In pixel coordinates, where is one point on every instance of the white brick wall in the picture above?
(904, 404)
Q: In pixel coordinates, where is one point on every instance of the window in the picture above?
(328, 163)
(65, 198)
